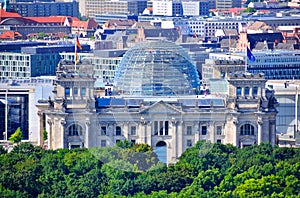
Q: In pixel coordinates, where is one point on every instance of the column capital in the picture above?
(259, 121)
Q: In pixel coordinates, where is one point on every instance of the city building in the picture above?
(226, 4)
(287, 120)
(216, 69)
(33, 61)
(155, 101)
(119, 7)
(43, 8)
(18, 99)
(207, 27)
(276, 64)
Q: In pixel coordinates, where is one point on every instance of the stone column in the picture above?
(179, 135)
(87, 127)
(259, 130)
(196, 132)
(41, 129)
(142, 131)
(50, 122)
(148, 133)
(125, 130)
(175, 139)
(211, 132)
(62, 133)
(272, 131)
(235, 140)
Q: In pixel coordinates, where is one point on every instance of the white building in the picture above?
(207, 27)
(162, 7)
(18, 99)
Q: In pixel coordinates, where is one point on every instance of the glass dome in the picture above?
(156, 68)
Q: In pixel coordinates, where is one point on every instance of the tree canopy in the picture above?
(133, 170)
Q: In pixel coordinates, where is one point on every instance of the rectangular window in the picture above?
(75, 91)
(166, 127)
(103, 130)
(203, 130)
(133, 130)
(118, 130)
(189, 143)
(189, 130)
(67, 91)
(133, 141)
(219, 141)
(155, 128)
(161, 128)
(219, 130)
(83, 91)
(103, 143)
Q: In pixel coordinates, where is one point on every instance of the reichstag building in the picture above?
(156, 99)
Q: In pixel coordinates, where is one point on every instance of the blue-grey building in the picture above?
(33, 61)
(42, 9)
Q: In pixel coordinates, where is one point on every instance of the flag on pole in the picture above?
(250, 56)
(77, 45)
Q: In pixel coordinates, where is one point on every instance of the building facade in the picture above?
(33, 61)
(18, 99)
(42, 9)
(167, 122)
(120, 7)
(198, 26)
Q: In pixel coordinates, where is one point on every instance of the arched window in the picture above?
(255, 91)
(75, 130)
(67, 91)
(247, 91)
(238, 91)
(161, 151)
(247, 129)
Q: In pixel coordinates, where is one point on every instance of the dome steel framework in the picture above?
(156, 68)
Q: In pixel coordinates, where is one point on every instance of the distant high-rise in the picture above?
(225, 4)
(126, 7)
(43, 8)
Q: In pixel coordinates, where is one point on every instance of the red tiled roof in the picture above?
(80, 24)
(51, 19)
(89, 24)
(9, 35)
(4, 14)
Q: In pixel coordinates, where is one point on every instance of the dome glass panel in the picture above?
(156, 68)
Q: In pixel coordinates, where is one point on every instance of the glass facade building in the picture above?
(154, 68)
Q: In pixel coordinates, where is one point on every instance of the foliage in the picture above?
(45, 135)
(249, 10)
(16, 137)
(132, 170)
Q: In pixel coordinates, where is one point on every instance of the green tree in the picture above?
(16, 137)
(45, 135)
(2, 150)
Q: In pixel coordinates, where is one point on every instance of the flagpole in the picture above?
(75, 41)
(6, 115)
(246, 57)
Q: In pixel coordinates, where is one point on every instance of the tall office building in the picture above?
(120, 7)
(45, 8)
(226, 4)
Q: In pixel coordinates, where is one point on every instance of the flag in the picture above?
(78, 43)
(250, 56)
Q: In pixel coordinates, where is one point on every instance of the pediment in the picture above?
(161, 108)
